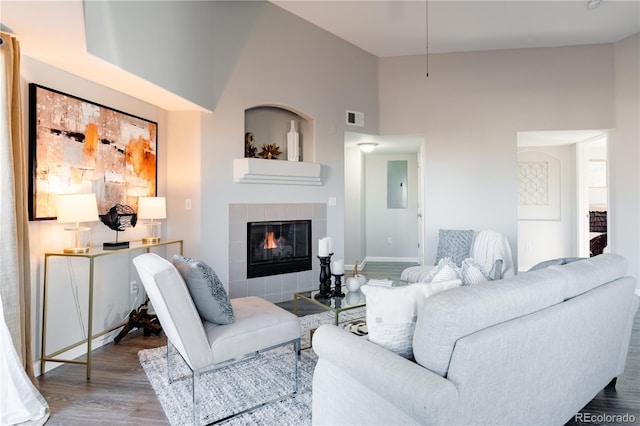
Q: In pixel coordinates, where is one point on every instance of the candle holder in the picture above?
(337, 290)
(338, 303)
(325, 278)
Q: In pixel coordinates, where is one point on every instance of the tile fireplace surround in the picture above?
(275, 288)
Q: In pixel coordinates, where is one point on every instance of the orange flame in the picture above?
(269, 241)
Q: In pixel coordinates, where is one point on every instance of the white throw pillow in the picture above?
(473, 272)
(445, 270)
(392, 313)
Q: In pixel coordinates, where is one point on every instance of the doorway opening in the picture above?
(593, 197)
(375, 228)
(562, 177)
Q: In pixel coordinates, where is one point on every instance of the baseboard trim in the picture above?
(362, 264)
(72, 353)
(391, 259)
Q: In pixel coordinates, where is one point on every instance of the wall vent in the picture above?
(355, 118)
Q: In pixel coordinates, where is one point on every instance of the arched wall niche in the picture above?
(270, 123)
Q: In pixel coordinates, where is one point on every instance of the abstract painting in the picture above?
(77, 146)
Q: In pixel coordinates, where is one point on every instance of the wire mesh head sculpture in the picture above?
(119, 218)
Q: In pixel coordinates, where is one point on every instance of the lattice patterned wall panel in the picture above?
(533, 183)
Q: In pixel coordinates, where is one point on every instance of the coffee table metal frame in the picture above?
(334, 304)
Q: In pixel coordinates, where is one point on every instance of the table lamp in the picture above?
(76, 208)
(152, 208)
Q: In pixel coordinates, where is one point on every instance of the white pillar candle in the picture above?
(329, 244)
(337, 268)
(323, 247)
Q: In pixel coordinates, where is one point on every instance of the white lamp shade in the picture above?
(152, 208)
(74, 208)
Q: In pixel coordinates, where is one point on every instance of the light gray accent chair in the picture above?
(489, 248)
(259, 326)
(533, 349)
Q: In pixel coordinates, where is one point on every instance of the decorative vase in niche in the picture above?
(293, 144)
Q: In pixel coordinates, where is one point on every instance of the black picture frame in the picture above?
(79, 146)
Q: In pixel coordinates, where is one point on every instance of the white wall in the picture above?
(274, 58)
(170, 45)
(391, 234)
(540, 240)
(355, 249)
(182, 155)
(598, 195)
(471, 107)
(624, 155)
(286, 61)
(113, 300)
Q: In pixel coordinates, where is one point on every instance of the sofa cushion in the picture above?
(416, 274)
(454, 244)
(258, 324)
(558, 261)
(392, 313)
(207, 292)
(592, 272)
(451, 315)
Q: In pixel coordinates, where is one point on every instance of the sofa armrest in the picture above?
(424, 395)
(497, 270)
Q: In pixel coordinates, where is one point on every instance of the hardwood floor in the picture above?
(117, 394)
(120, 394)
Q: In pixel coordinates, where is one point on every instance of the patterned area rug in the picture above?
(245, 384)
(357, 327)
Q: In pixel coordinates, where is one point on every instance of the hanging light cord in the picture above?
(426, 33)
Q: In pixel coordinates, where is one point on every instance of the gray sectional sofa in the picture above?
(532, 349)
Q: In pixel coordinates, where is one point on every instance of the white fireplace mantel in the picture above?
(257, 170)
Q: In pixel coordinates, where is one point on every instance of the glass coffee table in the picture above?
(337, 305)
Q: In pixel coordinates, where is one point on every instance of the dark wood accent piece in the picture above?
(140, 318)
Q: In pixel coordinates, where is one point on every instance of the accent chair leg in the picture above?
(170, 361)
(612, 383)
(296, 352)
(196, 397)
(196, 391)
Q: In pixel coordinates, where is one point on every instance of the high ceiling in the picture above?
(52, 31)
(398, 28)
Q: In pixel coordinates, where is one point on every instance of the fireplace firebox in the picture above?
(278, 247)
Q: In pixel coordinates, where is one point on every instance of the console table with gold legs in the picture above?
(92, 255)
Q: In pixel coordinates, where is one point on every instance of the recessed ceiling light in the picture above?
(593, 4)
